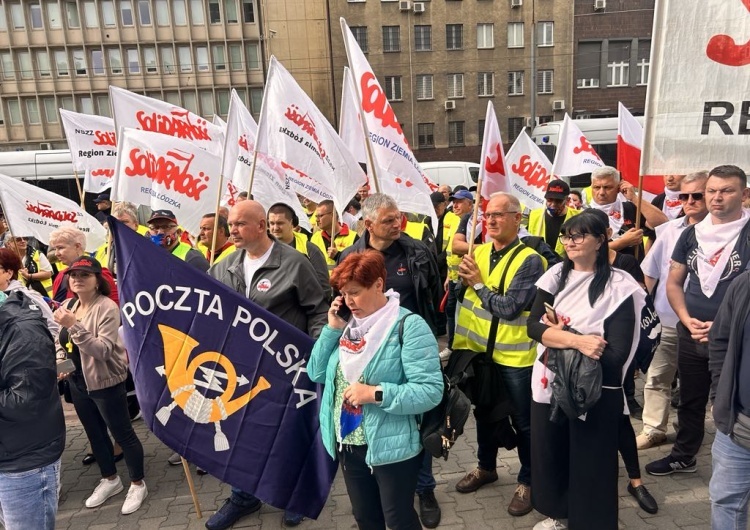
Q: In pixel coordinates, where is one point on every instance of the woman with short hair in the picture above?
(10, 265)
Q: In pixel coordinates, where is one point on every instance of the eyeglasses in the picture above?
(497, 215)
(695, 196)
(161, 228)
(575, 238)
(21, 239)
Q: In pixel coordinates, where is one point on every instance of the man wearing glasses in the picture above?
(162, 227)
(331, 238)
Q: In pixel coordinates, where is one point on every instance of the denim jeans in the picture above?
(29, 499)
(729, 488)
(425, 479)
(518, 385)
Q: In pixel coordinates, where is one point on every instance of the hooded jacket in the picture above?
(32, 426)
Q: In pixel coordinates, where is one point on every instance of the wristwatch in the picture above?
(378, 395)
(478, 286)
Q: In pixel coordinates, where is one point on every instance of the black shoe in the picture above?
(201, 471)
(644, 498)
(429, 509)
(88, 459)
(229, 514)
(119, 457)
(292, 519)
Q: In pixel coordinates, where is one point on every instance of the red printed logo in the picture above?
(585, 147)
(724, 50)
(104, 138)
(177, 124)
(532, 172)
(305, 122)
(263, 285)
(243, 142)
(103, 173)
(46, 211)
(497, 166)
(374, 102)
(172, 170)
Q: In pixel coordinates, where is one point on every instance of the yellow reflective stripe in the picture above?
(482, 313)
(499, 346)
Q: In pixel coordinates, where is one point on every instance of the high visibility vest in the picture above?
(300, 243)
(223, 254)
(588, 195)
(513, 347)
(450, 220)
(47, 284)
(537, 226)
(340, 241)
(453, 260)
(102, 254)
(415, 229)
(181, 250)
(143, 230)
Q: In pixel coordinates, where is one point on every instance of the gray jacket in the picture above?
(286, 286)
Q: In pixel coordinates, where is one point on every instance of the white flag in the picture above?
(529, 170)
(167, 173)
(492, 171)
(33, 211)
(350, 121)
(574, 152)
(149, 114)
(219, 122)
(93, 148)
(293, 130)
(398, 172)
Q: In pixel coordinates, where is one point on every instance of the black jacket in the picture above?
(725, 350)
(420, 261)
(32, 426)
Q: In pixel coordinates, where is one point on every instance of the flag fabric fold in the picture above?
(492, 171)
(629, 147)
(529, 170)
(574, 155)
(93, 148)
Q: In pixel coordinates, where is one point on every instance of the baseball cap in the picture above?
(101, 198)
(462, 194)
(557, 189)
(162, 214)
(85, 264)
(436, 197)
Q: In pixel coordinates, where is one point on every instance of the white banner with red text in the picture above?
(529, 170)
(93, 148)
(574, 155)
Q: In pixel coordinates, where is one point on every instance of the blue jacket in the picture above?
(412, 384)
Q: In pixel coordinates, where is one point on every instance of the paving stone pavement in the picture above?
(682, 498)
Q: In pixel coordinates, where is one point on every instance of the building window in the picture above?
(167, 60)
(179, 12)
(545, 34)
(185, 58)
(230, 12)
(455, 133)
(61, 63)
(54, 18)
(515, 83)
(485, 84)
(425, 135)
(67, 103)
(24, 65)
(144, 12)
(214, 12)
(588, 61)
(248, 12)
(3, 27)
(71, 10)
(360, 35)
(90, 15)
(485, 36)
(235, 57)
(480, 130)
(220, 57)
(14, 111)
(114, 58)
(545, 81)
(515, 126)
(162, 12)
(201, 58)
(149, 60)
(454, 36)
(455, 86)
(97, 62)
(173, 98)
(35, 15)
(393, 88)
(643, 64)
(253, 57)
(108, 14)
(126, 12)
(545, 119)
(207, 103)
(103, 106)
(86, 104)
(618, 64)
(16, 15)
(9, 71)
(190, 101)
(256, 99)
(222, 96)
(134, 64)
(515, 35)
(32, 112)
(79, 62)
(391, 38)
(424, 86)
(196, 12)
(43, 64)
(423, 38)
(50, 110)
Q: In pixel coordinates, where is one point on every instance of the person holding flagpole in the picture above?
(332, 237)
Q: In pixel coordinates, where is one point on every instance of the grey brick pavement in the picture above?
(683, 498)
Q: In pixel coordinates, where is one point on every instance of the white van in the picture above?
(452, 173)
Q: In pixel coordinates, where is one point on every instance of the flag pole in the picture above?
(191, 485)
(363, 122)
(473, 228)
(80, 189)
(252, 175)
(212, 250)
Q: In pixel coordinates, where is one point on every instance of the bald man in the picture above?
(277, 277)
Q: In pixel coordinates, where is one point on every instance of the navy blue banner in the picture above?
(221, 380)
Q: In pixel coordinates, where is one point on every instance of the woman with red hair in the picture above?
(10, 265)
(381, 370)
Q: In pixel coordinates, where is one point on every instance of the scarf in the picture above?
(715, 246)
(615, 212)
(672, 204)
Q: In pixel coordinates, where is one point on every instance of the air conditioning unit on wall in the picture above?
(558, 104)
(450, 105)
(46, 146)
(419, 7)
(600, 5)
(404, 5)
(516, 3)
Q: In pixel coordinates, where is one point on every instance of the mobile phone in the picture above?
(551, 315)
(344, 313)
(66, 366)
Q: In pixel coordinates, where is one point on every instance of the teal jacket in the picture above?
(412, 384)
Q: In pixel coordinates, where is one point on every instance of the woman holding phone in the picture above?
(575, 462)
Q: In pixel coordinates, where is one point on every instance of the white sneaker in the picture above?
(105, 490)
(174, 459)
(445, 354)
(134, 499)
(551, 524)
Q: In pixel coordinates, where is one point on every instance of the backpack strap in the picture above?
(401, 328)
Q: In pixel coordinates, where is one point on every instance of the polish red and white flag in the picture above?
(629, 147)
(574, 155)
(93, 148)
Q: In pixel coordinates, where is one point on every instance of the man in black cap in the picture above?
(162, 227)
(103, 204)
(546, 222)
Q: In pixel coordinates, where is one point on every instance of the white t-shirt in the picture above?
(251, 266)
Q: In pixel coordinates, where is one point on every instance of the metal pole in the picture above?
(533, 66)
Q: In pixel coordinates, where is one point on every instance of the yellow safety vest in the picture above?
(47, 284)
(341, 243)
(415, 229)
(300, 243)
(143, 230)
(450, 220)
(102, 254)
(453, 260)
(537, 226)
(181, 250)
(223, 254)
(588, 195)
(513, 347)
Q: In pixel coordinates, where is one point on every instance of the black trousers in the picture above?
(695, 384)
(629, 448)
(102, 409)
(574, 464)
(384, 495)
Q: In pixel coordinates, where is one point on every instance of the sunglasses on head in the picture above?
(686, 196)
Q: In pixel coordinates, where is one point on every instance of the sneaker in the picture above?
(229, 514)
(646, 440)
(475, 480)
(175, 459)
(105, 490)
(445, 354)
(551, 524)
(292, 519)
(134, 499)
(520, 504)
(669, 465)
(429, 509)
